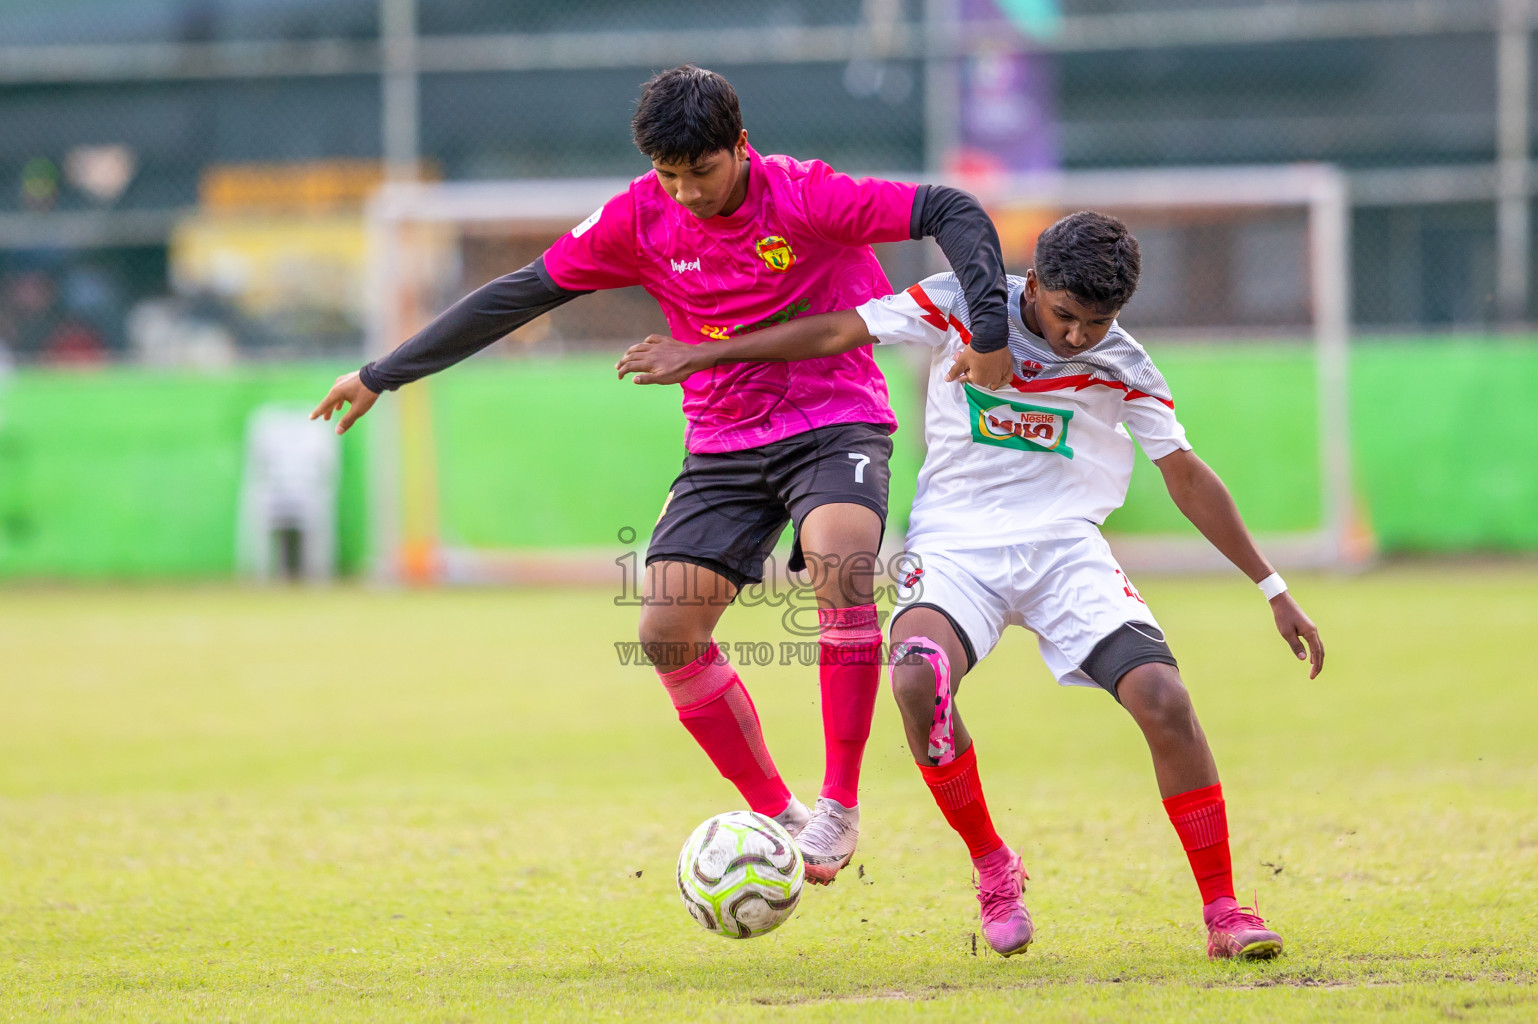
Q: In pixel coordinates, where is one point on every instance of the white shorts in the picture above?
(1069, 592)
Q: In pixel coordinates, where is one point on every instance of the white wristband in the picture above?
(1272, 585)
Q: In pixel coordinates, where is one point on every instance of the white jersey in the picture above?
(1048, 456)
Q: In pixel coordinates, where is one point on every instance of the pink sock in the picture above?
(850, 671)
(716, 709)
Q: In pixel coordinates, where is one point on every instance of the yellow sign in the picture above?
(272, 266)
(313, 187)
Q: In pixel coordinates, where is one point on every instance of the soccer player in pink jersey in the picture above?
(728, 241)
(1049, 456)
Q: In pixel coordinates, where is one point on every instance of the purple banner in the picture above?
(1008, 100)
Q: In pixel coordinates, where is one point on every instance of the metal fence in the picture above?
(114, 112)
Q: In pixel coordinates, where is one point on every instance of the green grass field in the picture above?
(219, 804)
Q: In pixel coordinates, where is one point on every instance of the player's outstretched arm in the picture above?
(475, 321)
(663, 360)
(1201, 496)
(465, 328)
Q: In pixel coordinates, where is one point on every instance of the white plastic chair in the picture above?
(288, 496)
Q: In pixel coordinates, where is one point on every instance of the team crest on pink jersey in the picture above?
(776, 252)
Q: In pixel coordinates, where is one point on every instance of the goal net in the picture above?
(536, 464)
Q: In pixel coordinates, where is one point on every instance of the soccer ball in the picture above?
(740, 874)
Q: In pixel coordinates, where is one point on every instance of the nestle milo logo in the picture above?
(1009, 424)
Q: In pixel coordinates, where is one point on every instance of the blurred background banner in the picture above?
(1008, 104)
(186, 235)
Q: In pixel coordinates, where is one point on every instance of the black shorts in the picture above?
(727, 510)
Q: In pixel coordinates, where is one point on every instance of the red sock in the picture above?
(849, 668)
(1201, 821)
(959, 793)
(716, 709)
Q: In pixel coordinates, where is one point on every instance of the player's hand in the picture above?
(349, 390)
(660, 360)
(991, 370)
(1297, 628)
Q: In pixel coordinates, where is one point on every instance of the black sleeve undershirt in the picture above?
(957, 221)
(472, 323)
(953, 218)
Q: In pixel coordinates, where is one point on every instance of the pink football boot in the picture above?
(1238, 932)
(1000, 889)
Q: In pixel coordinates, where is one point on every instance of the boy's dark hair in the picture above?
(1093, 257)
(685, 113)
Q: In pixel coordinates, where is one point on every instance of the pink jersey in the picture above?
(798, 245)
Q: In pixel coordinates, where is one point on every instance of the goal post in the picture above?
(432, 242)
(417, 235)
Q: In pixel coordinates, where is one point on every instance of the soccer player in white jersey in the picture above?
(1047, 458)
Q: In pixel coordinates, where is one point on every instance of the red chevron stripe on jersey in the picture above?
(932, 315)
(1078, 382)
